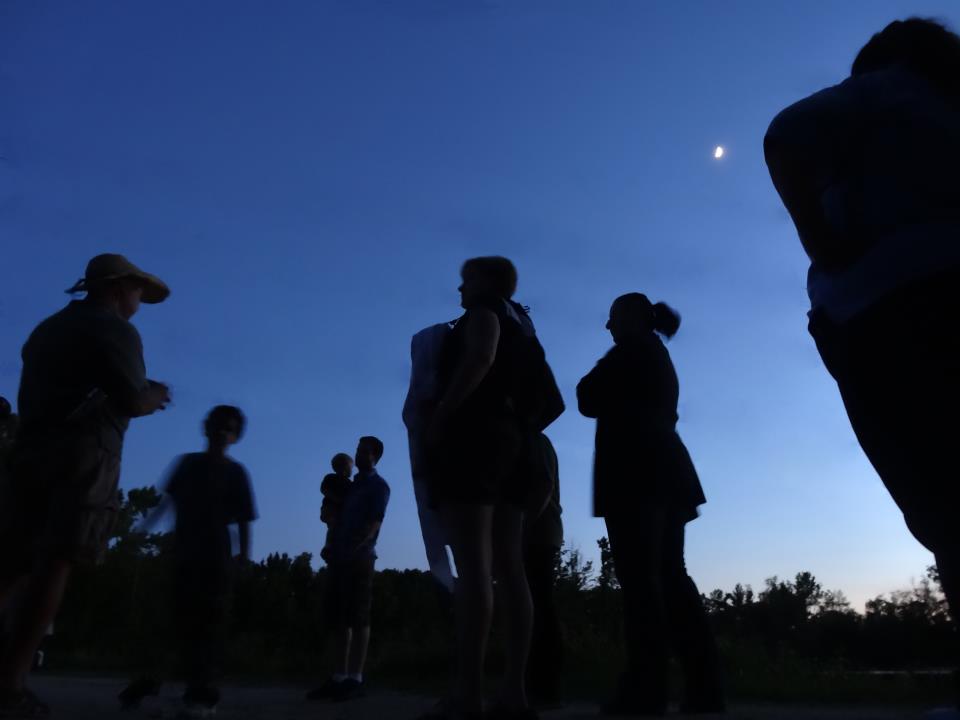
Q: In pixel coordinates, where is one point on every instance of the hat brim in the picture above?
(155, 290)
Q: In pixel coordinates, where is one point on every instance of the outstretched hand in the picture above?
(156, 396)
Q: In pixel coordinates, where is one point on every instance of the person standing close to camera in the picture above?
(83, 380)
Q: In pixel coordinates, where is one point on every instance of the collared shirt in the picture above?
(365, 504)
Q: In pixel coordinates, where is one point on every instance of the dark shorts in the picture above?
(349, 593)
(898, 370)
(58, 501)
(478, 462)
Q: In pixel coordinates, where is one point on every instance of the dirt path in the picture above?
(73, 698)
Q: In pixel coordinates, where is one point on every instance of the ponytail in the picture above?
(666, 320)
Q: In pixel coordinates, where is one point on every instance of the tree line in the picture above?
(118, 616)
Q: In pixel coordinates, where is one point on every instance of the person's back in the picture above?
(867, 169)
(516, 361)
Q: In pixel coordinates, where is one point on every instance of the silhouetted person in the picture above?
(350, 567)
(475, 443)
(83, 379)
(868, 172)
(210, 492)
(8, 430)
(646, 489)
(542, 540)
(423, 394)
(334, 488)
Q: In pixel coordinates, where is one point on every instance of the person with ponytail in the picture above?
(868, 171)
(646, 489)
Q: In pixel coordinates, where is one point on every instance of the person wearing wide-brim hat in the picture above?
(83, 379)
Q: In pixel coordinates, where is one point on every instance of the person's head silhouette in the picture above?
(342, 465)
(924, 47)
(224, 427)
(633, 315)
(369, 452)
(487, 277)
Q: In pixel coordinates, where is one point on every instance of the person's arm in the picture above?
(151, 519)
(803, 147)
(593, 389)
(245, 510)
(243, 536)
(169, 487)
(481, 338)
(123, 373)
(370, 532)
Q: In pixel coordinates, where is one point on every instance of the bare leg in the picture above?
(44, 591)
(469, 529)
(358, 650)
(344, 641)
(517, 603)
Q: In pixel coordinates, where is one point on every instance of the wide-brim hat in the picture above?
(107, 267)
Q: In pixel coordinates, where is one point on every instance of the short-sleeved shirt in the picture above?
(365, 504)
(83, 368)
(209, 495)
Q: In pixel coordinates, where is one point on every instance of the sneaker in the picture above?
(326, 691)
(349, 689)
(23, 704)
(134, 693)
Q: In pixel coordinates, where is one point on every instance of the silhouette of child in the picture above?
(210, 491)
(334, 488)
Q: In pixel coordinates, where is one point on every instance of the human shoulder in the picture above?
(380, 484)
(237, 467)
(100, 321)
(182, 468)
(239, 475)
(189, 461)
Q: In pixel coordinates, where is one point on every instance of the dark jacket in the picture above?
(639, 459)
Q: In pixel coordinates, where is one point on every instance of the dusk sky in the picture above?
(309, 176)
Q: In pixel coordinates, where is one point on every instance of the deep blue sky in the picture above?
(308, 176)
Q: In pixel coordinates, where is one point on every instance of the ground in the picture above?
(83, 698)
